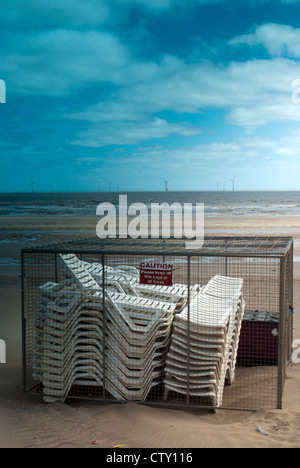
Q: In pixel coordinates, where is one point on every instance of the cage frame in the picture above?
(280, 248)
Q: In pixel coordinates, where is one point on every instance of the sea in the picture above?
(216, 204)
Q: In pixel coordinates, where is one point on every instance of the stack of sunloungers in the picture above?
(115, 337)
(204, 344)
(102, 328)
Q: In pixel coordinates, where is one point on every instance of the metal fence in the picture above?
(151, 321)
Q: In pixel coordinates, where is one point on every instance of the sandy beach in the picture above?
(22, 224)
(25, 421)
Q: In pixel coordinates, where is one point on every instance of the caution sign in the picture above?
(156, 274)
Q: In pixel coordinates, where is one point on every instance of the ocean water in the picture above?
(216, 204)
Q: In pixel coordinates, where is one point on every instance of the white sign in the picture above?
(156, 274)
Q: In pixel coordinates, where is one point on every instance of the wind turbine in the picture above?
(99, 181)
(32, 185)
(166, 184)
(233, 183)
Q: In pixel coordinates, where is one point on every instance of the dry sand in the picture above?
(25, 421)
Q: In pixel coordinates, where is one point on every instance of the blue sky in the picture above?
(136, 91)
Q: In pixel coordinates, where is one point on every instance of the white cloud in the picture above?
(78, 14)
(156, 5)
(238, 154)
(109, 111)
(147, 4)
(264, 113)
(278, 39)
(252, 94)
(130, 133)
(60, 61)
(39, 14)
(64, 61)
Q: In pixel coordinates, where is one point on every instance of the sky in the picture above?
(129, 93)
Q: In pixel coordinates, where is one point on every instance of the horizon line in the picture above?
(143, 191)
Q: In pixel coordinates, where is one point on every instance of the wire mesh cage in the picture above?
(154, 322)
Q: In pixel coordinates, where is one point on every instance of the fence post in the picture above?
(56, 271)
(281, 362)
(104, 326)
(189, 331)
(23, 279)
(2, 352)
(291, 299)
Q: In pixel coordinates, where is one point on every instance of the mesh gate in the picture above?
(151, 321)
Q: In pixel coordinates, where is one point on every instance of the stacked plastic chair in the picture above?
(203, 350)
(68, 341)
(224, 287)
(73, 328)
(128, 282)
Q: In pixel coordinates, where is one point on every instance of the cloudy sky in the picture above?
(136, 91)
